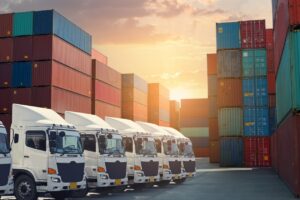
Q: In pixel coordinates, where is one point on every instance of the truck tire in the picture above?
(180, 181)
(163, 183)
(25, 188)
(60, 195)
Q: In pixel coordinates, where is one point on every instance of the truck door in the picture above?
(91, 155)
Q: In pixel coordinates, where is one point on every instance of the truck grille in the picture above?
(189, 166)
(175, 167)
(150, 168)
(116, 170)
(71, 172)
(4, 173)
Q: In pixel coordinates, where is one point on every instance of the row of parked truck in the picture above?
(69, 157)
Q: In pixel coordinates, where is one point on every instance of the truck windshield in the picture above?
(112, 146)
(186, 149)
(3, 141)
(171, 148)
(67, 142)
(145, 146)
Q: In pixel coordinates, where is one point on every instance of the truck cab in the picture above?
(47, 154)
(170, 162)
(104, 153)
(142, 160)
(185, 151)
(6, 178)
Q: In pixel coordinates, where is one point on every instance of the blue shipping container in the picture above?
(22, 74)
(255, 92)
(256, 121)
(228, 35)
(231, 149)
(272, 120)
(51, 22)
(254, 62)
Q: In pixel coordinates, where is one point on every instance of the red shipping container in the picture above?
(49, 47)
(264, 151)
(194, 108)
(106, 74)
(250, 152)
(257, 151)
(21, 96)
(103, 110)
(214, 152)
(6, 25)
(272, 100)
(60, 100)
(271, 83)
(213, 129)
(5, 100)
(294, 11)
(6, 49)
(253, 34)
(52, 73)
(5, 75)
(270, 50)
(6, 119)
(201, 152)
(212, 64)
(99, 56)
(274, 153)
(22, 48)
(134, 111)
(107, 93)
(230, 93)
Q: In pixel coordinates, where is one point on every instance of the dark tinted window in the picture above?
(158, 145)
(128, 144)
(36, 140)
(89, 142)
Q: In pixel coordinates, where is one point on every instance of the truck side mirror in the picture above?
(16, 138)
(52, 135)
(52, 144)
(62, 134)
(102, 142)
(109, 136)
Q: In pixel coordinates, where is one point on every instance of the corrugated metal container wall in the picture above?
(270, 50)
(6, 25)
(214, 152)
(255, 92)
(21, 96)
(51, 47)
(272, 100)
(201, 152)
(213, 129)
(174, 114)
(22, 74)
(257, 152)
(295, 69)
(195, 132)
(51, 22)
(229, 64)
(212, 64)
(133, 81)
(274, 8)
(212, 105)
(194, 108)
(228, 35)
(194, 122)
(199, 142)
(6, 119)
(230, 122)
(264, 152)
(96, 55)
(272, 120)
(132, 94)
(107, 93)
(5, 74)
(103, 109)
(294, 10)
(6, 49)
(230, 93)
(250, 151)
(271, 83)
(254, 62)
(256, 121)
(134, 111)
(22, 50)
(212, 85)
(5, 103)
(22, 23)
(274, 151)
(253, 34)
(231, 152)
(164, 115)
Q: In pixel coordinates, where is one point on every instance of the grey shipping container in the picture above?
(229, 63)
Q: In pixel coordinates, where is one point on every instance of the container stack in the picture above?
(158, 104)
(45, 61)
(229, 101)
(194, 124)
(106, 88)
(175, 114)
(134, 98)
(214, 144)
(286, 140)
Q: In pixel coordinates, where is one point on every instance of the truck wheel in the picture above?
(60, 195)
(180, 181)
(25, 188)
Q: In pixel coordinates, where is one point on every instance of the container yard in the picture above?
(150, 100)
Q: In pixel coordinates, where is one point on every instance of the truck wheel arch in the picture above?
(19, 172)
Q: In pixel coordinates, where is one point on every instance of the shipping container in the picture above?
(5, 103)
(231, 149)
(272, 120)
(107, 93)
(212, 64)
(134, 111)
(158, 89)
(228, 35)
(213, 129)
(50, 22)
(257, 151)
(103, 110)
(212, 85)
(294, 10)
(156, 102)
(133, 94)
(274, 151)
(194, 108)
(163, 123)
(230, 93)
(6, 49)
(195, 131)
(104, 73)
(22, 74)
(22, 48)
(6, 25)
(22, 24)
(255, 91)
(253, 34)
(52, 73)
(254, 62)
(270, 50)
(201, 152)
(194, 122)
(214, 152)
(272, 100)
(230, 122)
(164, 115)
(199, 142)
(48, 47)
(256, 121)
(271, 83)
(21, 96)
(250, 152)
(229, 63)
(174, 114)
(96, 55)
(212, 107)
(5, 75)
(134, 81)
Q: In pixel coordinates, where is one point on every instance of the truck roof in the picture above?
(154, 129)
(83, 121)
(36, 116)
(174, 132)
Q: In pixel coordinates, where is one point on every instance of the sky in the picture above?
(163, 41)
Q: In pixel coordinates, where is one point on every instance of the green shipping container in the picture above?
(230, 122)
(254, 62)
(195, 132)
(23, 24)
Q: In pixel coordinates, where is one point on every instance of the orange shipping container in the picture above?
(212, 64)
(103, 109)
(214, 152)
(192, 108)
(163, 123)
(134, 111)
(174, 114)
(230, 93)
(134, 95)
(99, 56)
(213, 129)
(201, 152)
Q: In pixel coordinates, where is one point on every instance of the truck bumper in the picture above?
(54, 184)
(166, 175)
(111, 182)
(7, 189)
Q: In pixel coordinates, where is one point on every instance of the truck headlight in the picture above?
(139, 174)
(103, 176)
(55, 180)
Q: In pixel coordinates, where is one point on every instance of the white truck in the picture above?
(6, 178)
(168, 153)
(142, 160)
(47, 154)
(105, 160)
(185, 151)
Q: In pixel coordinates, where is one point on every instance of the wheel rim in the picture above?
(24, 189)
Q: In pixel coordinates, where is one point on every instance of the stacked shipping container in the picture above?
(175, 114)
(287, 68)
(194, 124)
(214, 144)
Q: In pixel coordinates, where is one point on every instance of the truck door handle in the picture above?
(26, 156)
